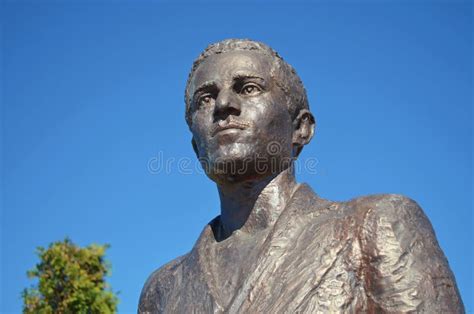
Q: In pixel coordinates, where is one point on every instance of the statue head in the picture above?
(247, 110)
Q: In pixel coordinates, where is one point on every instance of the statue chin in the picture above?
(232, 169)
(244, 161)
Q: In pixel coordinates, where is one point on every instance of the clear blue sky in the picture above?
(92, 92)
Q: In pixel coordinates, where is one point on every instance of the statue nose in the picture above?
(226, 105)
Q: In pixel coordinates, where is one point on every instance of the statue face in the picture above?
(240, 121)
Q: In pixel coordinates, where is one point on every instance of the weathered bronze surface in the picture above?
(277, 246)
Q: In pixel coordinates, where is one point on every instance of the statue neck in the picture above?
(254, 205)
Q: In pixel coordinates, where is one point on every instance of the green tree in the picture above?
(71, 279)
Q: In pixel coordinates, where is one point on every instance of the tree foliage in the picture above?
(71, 279)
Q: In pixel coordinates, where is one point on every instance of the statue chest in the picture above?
(293, 269)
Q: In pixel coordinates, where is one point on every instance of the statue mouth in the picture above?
(229, 123)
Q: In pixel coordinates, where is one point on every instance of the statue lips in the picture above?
(229, 124)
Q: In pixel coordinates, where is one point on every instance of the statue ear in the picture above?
(304, 125)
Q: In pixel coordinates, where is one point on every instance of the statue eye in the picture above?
(250, 89)
(205, 99)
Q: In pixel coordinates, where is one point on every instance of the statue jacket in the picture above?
(373, 254)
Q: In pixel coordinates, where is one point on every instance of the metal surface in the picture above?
(277, 246)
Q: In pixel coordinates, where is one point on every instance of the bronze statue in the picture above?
(277, 246)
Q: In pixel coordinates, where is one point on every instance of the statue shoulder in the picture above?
(399, 213)
(157, 284)
(387, 205)
(402, 257)
(393, 209)
(381, 216)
